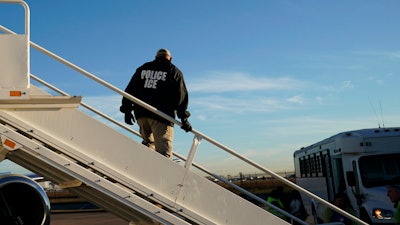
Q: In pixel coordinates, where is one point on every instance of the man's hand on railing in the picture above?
(186, 125)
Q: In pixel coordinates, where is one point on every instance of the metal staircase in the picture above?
(112, 170)
(53, 137)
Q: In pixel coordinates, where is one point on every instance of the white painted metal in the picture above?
(14, 58)
(193, 149)
(13, 54)
(88, 177)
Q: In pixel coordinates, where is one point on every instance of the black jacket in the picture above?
(160, 84)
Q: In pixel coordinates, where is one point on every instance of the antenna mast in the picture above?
(383, 122)
(373, 109)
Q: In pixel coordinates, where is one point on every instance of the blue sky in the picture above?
(265, 78)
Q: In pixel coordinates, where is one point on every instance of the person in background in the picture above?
(393, 192)
(297, 207)
(284, 197)
(160, 84)
(275, 199)
(341, 201)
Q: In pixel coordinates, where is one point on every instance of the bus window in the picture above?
(337, 170)
(312, 165)
(380, 170)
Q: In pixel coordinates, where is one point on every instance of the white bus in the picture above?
(360, 163)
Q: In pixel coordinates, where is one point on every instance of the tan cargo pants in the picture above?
(156, 135)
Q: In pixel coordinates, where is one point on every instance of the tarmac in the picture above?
(86, 218)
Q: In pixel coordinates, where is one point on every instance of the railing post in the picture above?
(193, 149)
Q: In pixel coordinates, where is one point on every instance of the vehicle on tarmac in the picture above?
(360, 163)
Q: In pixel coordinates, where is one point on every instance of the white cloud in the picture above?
(319, 99)
(338, 87)
(218, 82)
(392, 54)
(296, 99)
(229, 104)
(106, 104)
(347, 85)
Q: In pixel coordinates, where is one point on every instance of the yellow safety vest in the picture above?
(273, 211)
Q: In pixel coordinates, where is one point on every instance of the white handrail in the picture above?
(197, 133)
(27, 13)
